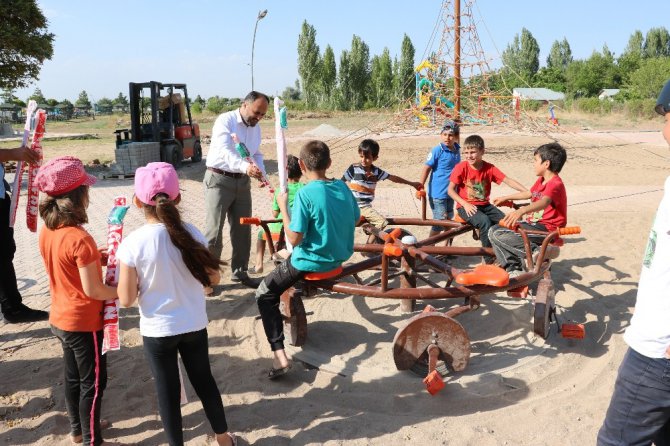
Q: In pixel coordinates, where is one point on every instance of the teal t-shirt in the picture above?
(292, 189)
(325, 212)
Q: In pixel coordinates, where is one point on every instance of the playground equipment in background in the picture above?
(552, 117)
(432, 342)
(430, 98)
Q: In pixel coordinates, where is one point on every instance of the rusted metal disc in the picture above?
(544, 307)
(411, 343)
(295, 318)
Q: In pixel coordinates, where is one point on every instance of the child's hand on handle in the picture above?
(510, 220)
(104, 255)
(282, 202)
(470, 209)
(416, 185)
(499, 200)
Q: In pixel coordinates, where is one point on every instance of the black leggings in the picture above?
(194, 350)
(9, 292)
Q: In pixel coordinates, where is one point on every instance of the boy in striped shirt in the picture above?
(362, 179)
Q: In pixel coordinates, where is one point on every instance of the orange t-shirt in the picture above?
(64, 251)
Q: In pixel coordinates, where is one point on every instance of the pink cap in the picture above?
(61, 175)
(153, 179)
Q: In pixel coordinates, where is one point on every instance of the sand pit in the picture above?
(518, 389)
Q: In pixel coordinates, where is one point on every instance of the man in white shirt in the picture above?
(227, 181)
(639, 412)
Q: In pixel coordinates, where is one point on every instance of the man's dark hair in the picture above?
(369, 147)
(554, 153)
(253, 95)
(475, 141)
(293, 167)
(316, 155)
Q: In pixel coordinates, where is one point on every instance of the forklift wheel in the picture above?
(197, 153)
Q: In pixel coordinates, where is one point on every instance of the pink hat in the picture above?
(61, 175)
(155, 178)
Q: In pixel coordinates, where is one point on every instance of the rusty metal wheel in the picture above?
(295, 317)
(544, 307)
(411, 342)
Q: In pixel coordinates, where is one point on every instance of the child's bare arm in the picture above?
(127, 288)
(293, 237)
(517, 196)
(92, 285)
(396, 179)
(514, 184)
(425, 171)
(470, 209)
(514, 216)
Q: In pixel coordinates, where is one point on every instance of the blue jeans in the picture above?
(486, 216)
(639, 411)
(443, 209)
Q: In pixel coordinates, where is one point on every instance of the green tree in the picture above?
(647, 81)
(588, 77)
(630, 59)
(405, 80)
(38, 97)
(104, 106)
(657, 43)
(52, 102)
(25, 43)
(328, 74)
(7, 96)
(344, 82)
(359, 71)
(308, 62)
(560, 55)
(120, 100)
(552, 78)
(83, 101)
(292, 93)
(381, 79)
(522, 56)
(66, 108)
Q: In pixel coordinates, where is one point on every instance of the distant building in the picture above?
(608, 93)
(537, 94)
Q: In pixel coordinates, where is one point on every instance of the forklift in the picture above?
(162, 113)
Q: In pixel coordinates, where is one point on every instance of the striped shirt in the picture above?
(362, 183)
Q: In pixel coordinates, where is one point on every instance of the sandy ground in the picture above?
(518, 389)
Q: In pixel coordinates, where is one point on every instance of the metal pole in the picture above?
(457, 58)
(261, 14)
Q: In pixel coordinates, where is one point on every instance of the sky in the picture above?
(101, 46)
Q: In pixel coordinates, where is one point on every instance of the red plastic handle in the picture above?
(570, 230)
(250, 221)
(507, 203)
(420, 194)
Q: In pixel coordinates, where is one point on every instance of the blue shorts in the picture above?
(443, 209)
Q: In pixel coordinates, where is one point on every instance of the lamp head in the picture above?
(262, 14)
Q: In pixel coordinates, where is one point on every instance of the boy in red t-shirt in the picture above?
(547, 209)
(470, 187)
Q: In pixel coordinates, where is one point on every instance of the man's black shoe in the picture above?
(21, 314)
(244, 279)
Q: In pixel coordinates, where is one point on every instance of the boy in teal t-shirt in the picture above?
(293, 186)
(320, 226)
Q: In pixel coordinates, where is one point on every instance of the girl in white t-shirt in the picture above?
(165, 265)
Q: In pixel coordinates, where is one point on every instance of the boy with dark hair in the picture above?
(546, 212)
(470, 187)
(639, 412)
(293, 185)
(320, 227)
(362, 179)
(440, 163)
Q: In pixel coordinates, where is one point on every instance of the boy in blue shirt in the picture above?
(439, 164)
(320, 226)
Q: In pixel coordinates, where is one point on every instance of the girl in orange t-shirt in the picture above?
(73, 263)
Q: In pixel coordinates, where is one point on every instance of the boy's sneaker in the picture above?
(22, 314)
(244, 279)
(514, 273)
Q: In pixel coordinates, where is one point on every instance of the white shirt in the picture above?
(222, 154)
(171, 300)
(649, 330)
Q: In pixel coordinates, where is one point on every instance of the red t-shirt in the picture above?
(64, 251)
(474, 186)
(556, 214)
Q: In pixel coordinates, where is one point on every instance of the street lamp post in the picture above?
(261, 14)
